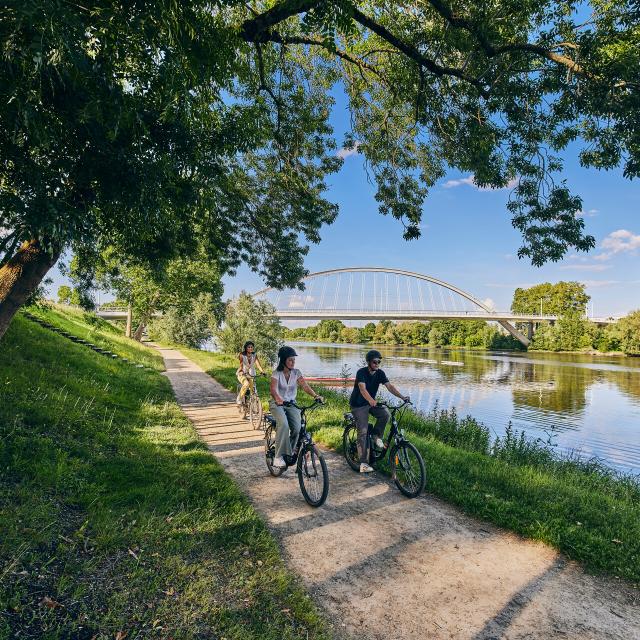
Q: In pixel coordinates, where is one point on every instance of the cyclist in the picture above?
(248, 360)
(285, 381)
(363, 403)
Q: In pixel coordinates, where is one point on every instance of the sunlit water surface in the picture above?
(584, 403)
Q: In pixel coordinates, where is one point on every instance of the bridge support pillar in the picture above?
(530, 330)
(127, 331)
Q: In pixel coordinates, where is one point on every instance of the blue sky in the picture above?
(468, 239)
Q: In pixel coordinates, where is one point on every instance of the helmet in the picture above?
(373, 354)
(246, 344)
(286, 352)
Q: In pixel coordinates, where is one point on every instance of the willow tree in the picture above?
(149, 126)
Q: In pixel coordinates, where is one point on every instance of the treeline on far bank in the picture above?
(438, 333)
(572, 332)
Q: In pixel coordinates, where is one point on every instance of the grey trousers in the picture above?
(288, 427)
(361, 416)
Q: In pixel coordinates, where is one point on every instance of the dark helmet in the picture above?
(286, 352)
(246, 344)
(373, 354)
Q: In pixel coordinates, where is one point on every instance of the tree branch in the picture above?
(414, 54)
(491, 50)
(251, 29)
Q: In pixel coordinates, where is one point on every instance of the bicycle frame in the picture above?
(304, 437)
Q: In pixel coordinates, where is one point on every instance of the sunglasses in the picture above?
(376, 361)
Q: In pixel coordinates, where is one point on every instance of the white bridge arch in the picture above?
(379, 293)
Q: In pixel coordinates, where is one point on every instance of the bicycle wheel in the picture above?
(407, 469)
(270, 451)
(313, 476)
(350, 446)
(255, 411)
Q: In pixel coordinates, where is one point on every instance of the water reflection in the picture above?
(582, 402)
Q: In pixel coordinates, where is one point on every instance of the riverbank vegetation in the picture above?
(438, 333)
(116, 521)
(582, 508)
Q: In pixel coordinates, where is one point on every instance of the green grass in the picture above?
(115, 518)
(586, 511)
(90, 327)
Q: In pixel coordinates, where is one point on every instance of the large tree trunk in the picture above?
(20, 277)
(141, 327)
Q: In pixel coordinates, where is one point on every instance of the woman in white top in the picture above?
(285, 381)
(247, 369)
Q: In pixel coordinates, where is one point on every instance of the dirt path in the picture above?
(384, 567)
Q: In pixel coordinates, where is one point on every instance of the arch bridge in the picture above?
(378, 293)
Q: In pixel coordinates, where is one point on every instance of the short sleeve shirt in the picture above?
(371, 381)
(287, 390)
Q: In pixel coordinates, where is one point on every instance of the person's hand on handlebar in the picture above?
(407, 399)
(319, 399)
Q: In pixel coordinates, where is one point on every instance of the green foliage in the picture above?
(551, 299)
(438, 333)
(625, 334)
(64, 294)
(245, 319)
(189, 327)
(112, 509)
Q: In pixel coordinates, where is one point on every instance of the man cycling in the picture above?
(363, 403)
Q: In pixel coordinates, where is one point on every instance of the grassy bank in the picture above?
(581, 508)
(115, 520)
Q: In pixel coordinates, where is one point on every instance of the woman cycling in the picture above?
(285, 381)
(247, 369)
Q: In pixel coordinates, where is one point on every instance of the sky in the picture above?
(467, 237)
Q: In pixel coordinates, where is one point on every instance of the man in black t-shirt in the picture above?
(363, 403)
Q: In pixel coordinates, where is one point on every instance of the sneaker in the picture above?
(365, 468)
(379, 443)
(238, 400)
(279, 463)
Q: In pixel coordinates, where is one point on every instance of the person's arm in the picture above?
(366, 395)
(240, 361)
(259, 365)
(273, 387)
(395, 392)
(307, 389)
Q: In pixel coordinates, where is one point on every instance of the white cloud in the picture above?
(586, 267)
(621, 240)
(591, 213)
(299, 301)
(488, 302)
(345, 153)
(599, 283)
(469, 180)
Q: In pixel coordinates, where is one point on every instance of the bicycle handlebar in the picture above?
(292, 403)
(389, 406)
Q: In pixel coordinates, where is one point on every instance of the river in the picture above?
(589, 404)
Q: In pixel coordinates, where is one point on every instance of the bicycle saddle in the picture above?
(348, 416)
(270, 419)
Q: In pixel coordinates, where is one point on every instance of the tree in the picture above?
(174, 284)
(64, 294)
(190, 327)
(551, 299)
(159, 125)
(248, 319)
(150, 127)
(628, 330)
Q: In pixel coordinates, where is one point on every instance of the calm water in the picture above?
(586, 403)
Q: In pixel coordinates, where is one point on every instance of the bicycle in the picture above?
(311, 467)
(251, 404)
(406, 463)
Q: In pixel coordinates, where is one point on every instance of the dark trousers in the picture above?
(361, 416)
